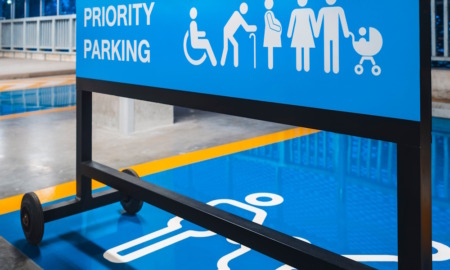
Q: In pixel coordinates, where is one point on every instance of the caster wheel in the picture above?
(376, 70)
(359, 69)
(32, 218)
(129, 204)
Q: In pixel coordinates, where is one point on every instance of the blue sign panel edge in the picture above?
(398, 97)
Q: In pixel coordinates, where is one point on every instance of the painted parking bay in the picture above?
(335, 191)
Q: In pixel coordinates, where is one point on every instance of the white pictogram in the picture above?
(272, 32)
(198, 41)
(331, 18)
(304, 28)
(252, 35)
(301, 27)
(253, 202)
(234, 23)
(174, 225)
(260, 216)
(368, 49)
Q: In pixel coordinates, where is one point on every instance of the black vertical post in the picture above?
(414, 208)
(84, 142)
(414, 169)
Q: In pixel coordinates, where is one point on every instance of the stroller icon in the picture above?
(368, 49)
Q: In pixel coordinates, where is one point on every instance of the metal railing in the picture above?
(42, 34)
(440, 30)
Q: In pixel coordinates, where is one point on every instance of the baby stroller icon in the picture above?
(368, 49)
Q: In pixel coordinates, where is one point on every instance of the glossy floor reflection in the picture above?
(338, 192)
(20, 101)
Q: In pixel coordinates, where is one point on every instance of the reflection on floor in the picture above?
(21, 101)
(338, 192)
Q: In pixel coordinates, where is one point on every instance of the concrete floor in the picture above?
(39, 151)
(26, 68)
(12, 259)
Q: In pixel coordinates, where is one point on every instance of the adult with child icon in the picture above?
(234, 23)
(198, 41)
(272, 32)
(167, 238)
(331, 17)
(301, 27)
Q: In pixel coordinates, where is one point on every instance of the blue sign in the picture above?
(350, 56)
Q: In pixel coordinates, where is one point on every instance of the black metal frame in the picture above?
(414, 177)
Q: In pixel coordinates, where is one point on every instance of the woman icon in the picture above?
(272, 32)
(301, 27)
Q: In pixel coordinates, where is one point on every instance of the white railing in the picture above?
(440, 39)
(42, 34)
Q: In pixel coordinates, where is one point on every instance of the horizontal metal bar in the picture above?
(43, 18)
(440, 58)
(28, 51)
(380, 128)
(275, 244)
(75, 206)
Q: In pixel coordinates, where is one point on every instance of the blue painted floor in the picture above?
(30, 100)
(338, 192)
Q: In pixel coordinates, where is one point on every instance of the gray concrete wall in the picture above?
(105, 111)
(440, 80)
(129, 116)
(65, 57)
(149, 115)
(441, 84)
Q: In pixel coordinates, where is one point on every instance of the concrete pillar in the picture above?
(126, 116)
(440, 79)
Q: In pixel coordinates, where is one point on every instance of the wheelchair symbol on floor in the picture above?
(166, 238)
(174, 224)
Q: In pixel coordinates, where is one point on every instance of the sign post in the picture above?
(358, 68)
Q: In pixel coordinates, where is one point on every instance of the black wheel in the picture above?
(32, 218)
(130, 204)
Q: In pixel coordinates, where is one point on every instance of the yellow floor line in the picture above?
(35, 85)
(23, 84)
(19, 115)
(12, 204)
(4, 87)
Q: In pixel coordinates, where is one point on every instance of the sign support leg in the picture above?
(414, 207)
(84, 143)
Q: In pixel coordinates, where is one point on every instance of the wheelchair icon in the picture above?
(188, 57)
(198, 41)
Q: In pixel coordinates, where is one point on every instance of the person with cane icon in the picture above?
(234, 23)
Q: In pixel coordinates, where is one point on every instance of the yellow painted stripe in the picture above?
(45, 195)
(19, 115)
(3, 87)
(12, 204)
(218, 151)
(23, 84)
(34, 85)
